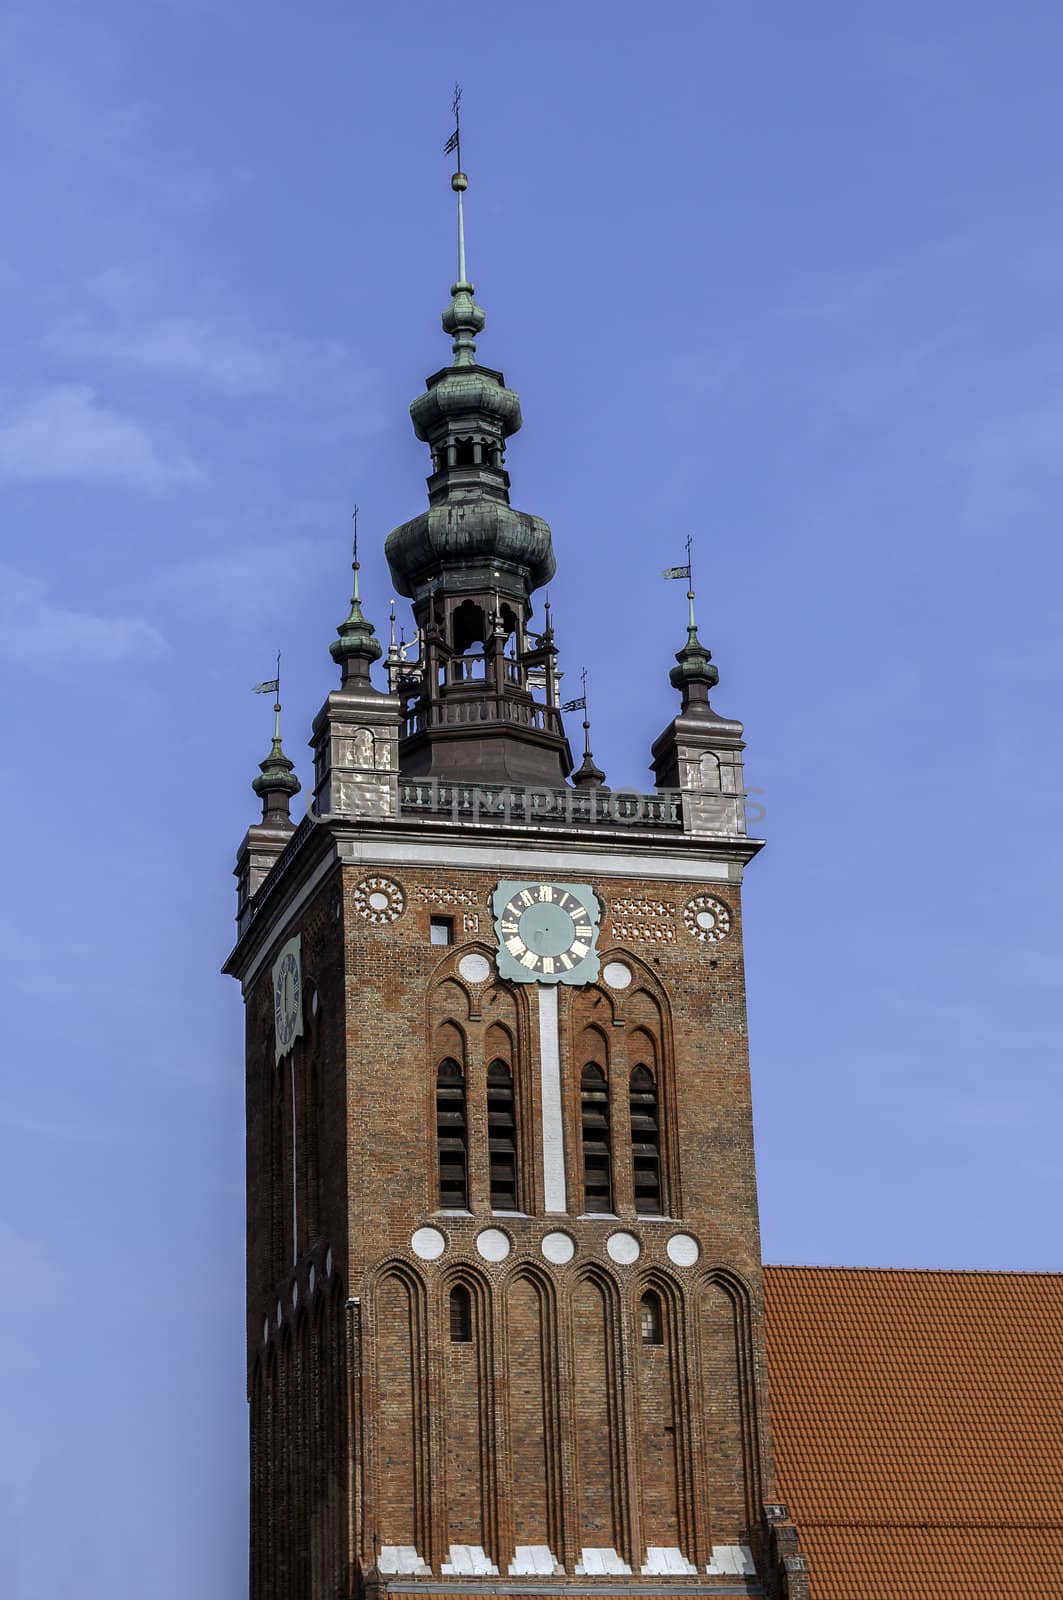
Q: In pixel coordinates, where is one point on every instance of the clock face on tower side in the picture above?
(546, 932)
(287, 999)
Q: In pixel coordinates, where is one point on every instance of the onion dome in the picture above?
(694, 675)
(357, 645)
(276, 784)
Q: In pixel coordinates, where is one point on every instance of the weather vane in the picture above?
(686, 572)
(273, 686)
(453, 144)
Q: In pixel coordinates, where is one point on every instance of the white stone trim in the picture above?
(601, 1561)
(402, 1560)
(470, 1561)
(667, 1562)
(533, 1561)
(533, 857)
(734, 1560)
(555, 1196)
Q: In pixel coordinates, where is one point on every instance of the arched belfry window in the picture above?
(597, 1157)
(651, 1322)
(646, 1143)
(502, 1137)
(452, 1137)
(460, 1315)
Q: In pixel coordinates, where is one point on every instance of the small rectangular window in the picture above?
(441, 930)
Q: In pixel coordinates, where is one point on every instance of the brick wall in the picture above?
(554, 1424)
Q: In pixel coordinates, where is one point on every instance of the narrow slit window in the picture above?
(597, 1161)
(646, 1143)
(502, 1137)
(452, 1137)
(651, 1323)
(460, 1315)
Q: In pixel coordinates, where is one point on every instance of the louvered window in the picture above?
(502, 1137)
(645, 1143)
(597, 1163)
(452, 1137)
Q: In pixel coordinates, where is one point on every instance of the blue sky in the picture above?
(784, 276)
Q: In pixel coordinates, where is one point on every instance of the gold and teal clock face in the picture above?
(546, 932)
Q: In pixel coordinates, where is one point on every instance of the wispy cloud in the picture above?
(36, 632)
(67, 432)
(234, 360)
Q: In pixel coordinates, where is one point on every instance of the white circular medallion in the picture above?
(616, 974)
(378, 900)
(558, 1248)
(493, 1244)
(474, 967)
(428, 1243)
(683, 1250)
(623, 1248)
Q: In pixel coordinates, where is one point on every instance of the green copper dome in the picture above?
(277, 773)
(356, 637)
(465, 395)
(477, 536)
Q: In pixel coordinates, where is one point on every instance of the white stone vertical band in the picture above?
(554, 1192)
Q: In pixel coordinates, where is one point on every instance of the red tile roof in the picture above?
(918, 1425)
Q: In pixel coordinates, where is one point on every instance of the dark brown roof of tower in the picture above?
(918, 1427)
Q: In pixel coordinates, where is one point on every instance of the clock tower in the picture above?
(504, 1313)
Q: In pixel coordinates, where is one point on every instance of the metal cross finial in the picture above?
(453, 144)
(354, 561)
(586, 714)
(277, 702)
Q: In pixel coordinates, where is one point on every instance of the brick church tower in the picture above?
(505, 1328)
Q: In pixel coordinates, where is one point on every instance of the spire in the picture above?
(694, 674)
(357, 645)
(463, 319)
(587, 775)
(470, 563)
(277, 783)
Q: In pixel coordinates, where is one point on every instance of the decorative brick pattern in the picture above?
(642, 920)
(434, 894)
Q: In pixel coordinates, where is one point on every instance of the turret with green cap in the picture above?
(700, 752)
(694, 673)
(357, 646)
(276, 784)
